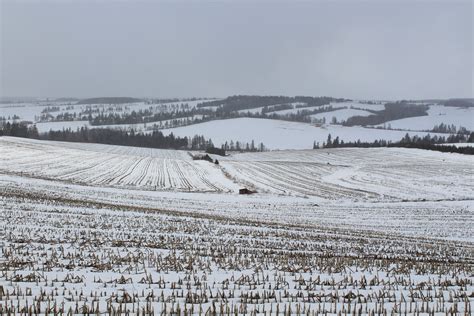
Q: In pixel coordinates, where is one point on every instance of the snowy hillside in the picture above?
(100, 228)
(437, 114)
(338, 174)
(276, 134)
(340, 115)
(113, 165)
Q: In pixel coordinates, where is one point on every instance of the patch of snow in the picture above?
(340, 115)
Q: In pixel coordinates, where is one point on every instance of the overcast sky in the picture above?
(354, 49)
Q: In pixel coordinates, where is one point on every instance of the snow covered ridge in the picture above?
(276, 134)
(112, 165)
(437, 114)
(353, 174)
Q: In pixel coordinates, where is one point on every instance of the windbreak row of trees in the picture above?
(101, 115)
(171, 100)
(143, 116)
(426, 142)
(301, 115)
(392, 111)
(109, 100)
(241, 146)
(462, 103)
(245, 102)
(452, 129)
(200, 115)
(18, 130)
(100, 135)
(49, 109)
(278, 107)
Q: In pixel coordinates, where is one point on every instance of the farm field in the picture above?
(112, 165)
(276, 134)
(25, 111)
(340, 115)
(337, 174)
(91, 228)
(45, 127)
(37, 112)
(362, 105)
(290, 135)
(236, 158)
(437, 114)
(295, 110)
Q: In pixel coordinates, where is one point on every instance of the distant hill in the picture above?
(66, 99)
(109, 100)
(462, 103)
(456, 102)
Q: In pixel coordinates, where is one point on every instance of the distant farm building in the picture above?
(246, 191)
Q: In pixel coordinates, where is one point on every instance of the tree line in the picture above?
(155, 139)
(200, 115)
(109, 100)
(461, 103)
(245, 102)
(426, 142)
(451, 129)
(142, 116)
(392, 111)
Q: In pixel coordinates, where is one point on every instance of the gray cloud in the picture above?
(371, 49)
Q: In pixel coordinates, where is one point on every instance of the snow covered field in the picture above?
(253, 110)
(347, 173)
(354, 174)
(90, 228)
(379, 106)
(340, 115)
(295, 110)
(110, 165)
(276, 134)
(33, 110)
(28, 111)
(57, 126)
(139, 127)
(92, 257)
(437, 114)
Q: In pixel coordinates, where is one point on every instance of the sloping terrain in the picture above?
(276, 134)
(437, 114)
(353, 174)
(95, 164)
(356, 173)
(100, 229)
(83, 249)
